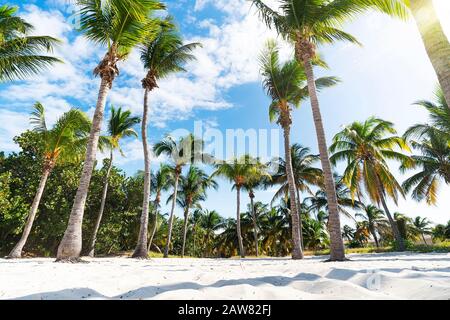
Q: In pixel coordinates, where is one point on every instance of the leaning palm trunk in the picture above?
(374, 235)
(238, 222)
(141, 248)
(300, 224)
(255, 230)
(174, 200)
(423, 238)
(155, 224)
(305, 52)
(91, 249)
(436, 43)
(70, 246)
(16, 252)
(297, 252)
(394, 227)
(186, 220)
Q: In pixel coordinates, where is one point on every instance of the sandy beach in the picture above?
(374, 276)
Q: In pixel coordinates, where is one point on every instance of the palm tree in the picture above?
(439, 114)
(372, 215)
(422, 226)
(210, 221)
(366, 147)
(348, 232)
(275, 230)
(306, 24)
(191, 191)
(20, 53)
(120, 25)
(64, 143)
(304, 175)
(120, 126)
(318, 201)
(254, 181)
(238, 171)
(161, 56)
(187, 150)
(160, 182)
(285, 84)
(434, 163)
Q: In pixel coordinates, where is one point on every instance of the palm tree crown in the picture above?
(20, 53)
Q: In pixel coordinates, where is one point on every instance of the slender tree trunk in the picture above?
(71, 243)
(238, 222)
(397, 235)
(436, 42)
(141, 248)
(16, 252)
(155, 224)
(374, 234)
(297, 252)
(172, 211)
(423, 238)
(91, 248)
(300, 219)
(255, 227)
(337, 251)
(186, 220)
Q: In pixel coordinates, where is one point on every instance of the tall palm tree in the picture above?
(187, 150)
(366, 147)
(372, 215)
(120, 126)
(192, 190)
(285, 84)
(64, 143)
(434, 164)
(254, 181)
(422, 226)
(161, 56)
(20, 53)
(237, 171)
(120, 25)
(306, 24)
(160, 182)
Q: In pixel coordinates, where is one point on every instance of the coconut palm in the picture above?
(64, 143)
(315, 234)
(439, 114)
(422, 226)
(192, 190)
(285, 85)
(276, 230)
(238, 171)
(161, 56)
(372, 216)
(348, 233)
(160, 182)
(434, 164)
(119, 25)
(210, 221)
(366, 147)
(254, 181)
(305, 175)
(120, 126)
(21, 54)
(318, 201)
(306, 24)
(187, 150)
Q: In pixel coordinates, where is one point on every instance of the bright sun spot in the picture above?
(443, 10)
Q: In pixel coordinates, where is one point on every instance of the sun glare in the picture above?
(443, 10)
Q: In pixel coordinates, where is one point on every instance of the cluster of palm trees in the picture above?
(123, 25)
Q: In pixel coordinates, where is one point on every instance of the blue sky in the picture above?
(222, 89)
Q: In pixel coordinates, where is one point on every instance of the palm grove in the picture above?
(54, 199)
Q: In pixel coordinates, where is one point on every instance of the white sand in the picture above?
(368, 276)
